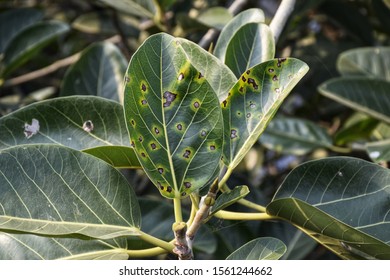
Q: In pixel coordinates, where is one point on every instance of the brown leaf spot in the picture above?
(169, 98)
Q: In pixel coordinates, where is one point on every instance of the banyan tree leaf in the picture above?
(117, 156)
(229, 31)
(78, 122)
(173, 117)
(341, 202)
(264, 248)
(228, 198)
(53, 190)
(99, 71)
(379, 150)
(253, 101)
(140, 8)
(215, 17)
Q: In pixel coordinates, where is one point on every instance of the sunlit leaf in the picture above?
(28, 42)
(78, 122)
(173, 116)
(215, 17)
(227, 33)
(371, 96)
(253, 101)
(264, 248)
(117, 156)
(294, 136)
(226, 199)
(54, 190)
(341, 202)
(370, 62)
(99, 71)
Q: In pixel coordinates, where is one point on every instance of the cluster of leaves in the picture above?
(184, 109)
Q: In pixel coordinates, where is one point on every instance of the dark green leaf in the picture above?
(340, 202)
(78, 122)
(252, 44)
(253, 101)
(369, 62)
(215, 17)
(226, 199)
(28, 42)
(173, 116)
(294, 136)
(54, 190)
(99, 71)
(14, 21)
(264, 248)
(229, 31)
(362, 94)
(379, 151)
(117, 156)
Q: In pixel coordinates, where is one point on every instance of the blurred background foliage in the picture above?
(59, 48)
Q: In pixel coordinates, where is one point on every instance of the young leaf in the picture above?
(341, 202)
(294, 136)
(264, 248)
(371, 96)
(173, 117)
(78, 122)
(253, 101)
(228, 198)
(29, 42)
(227, 33)
(251, 44)
(117, 156)
(54, 190)
(99, 71)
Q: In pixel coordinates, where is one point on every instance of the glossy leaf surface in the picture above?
(117, 156)
(173, 116)
(226, 199)
(264, 248)
(54, 190)
(251, 44)
(362, 94)
(229, 31)
(253, 101)
(29, 42)
(99, 71)
(78, 122)
(341, 202)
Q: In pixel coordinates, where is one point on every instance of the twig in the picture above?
(207, 38)
(182, 249)
(281, 16)
(51, 68)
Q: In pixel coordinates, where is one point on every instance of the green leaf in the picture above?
(341, 202)
(173, 117)
(362, 94)
(379, 150)
(228, 198)
(99, 71)
(253, 101)
(370, 62)
(54, 190)
(117, 156)
(248, 16)
(22, 246)
(251, 44)
(78, 122)
(30, 41)
(264, 248)
(14, 21)
(294, 136)
(139, 8)
(215, 17)
(217, 74)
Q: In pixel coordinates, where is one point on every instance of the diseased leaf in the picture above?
(28, 42)
(371, 96)
(247, 16)
(78, 122)
(117, 156)
(252, 44)
(264, 248)
(173, 117)
(341, 202)
(14, 21)
(226, 199)
(369, 62)
(99, 71)
(54, 190)
(294, 136)
(379, 150)
(253, 101)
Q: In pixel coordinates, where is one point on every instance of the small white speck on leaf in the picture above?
(31, 129)
(88, 126)
(374, 154)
